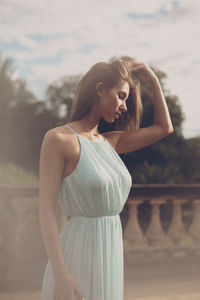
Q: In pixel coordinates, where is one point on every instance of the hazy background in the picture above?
(43, 43)
(50, 39)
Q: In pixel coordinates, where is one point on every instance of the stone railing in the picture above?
(155, 218)
(174, 220)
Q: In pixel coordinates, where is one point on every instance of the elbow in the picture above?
(166, 130)
(169, 130)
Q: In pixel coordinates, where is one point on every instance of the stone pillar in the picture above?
(194, 229)
(176, 230)
(133, 235)
(155, 234)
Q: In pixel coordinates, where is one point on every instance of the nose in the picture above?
(123, 106)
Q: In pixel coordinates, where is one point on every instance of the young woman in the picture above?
(81, 170)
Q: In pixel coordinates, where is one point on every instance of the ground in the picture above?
(172, 279)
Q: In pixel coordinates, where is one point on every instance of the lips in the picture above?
(118, 114)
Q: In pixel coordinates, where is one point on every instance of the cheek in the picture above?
(112, 101)
(109, 103)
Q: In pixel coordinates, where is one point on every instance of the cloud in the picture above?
(165, 9)
(48, 40)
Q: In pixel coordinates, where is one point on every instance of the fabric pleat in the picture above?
(92, 196)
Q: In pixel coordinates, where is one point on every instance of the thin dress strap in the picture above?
(78, 135)
(72, 130)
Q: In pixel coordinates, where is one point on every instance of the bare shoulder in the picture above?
(57, 134)
(57, 148)
(61, 139)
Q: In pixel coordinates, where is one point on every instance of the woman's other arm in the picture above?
(51, 168)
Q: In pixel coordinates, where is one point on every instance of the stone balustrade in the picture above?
(181, 235)
(156, 219)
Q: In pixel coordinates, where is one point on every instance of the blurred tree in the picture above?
(29, 124)
(189, 160)
(60, 95)
(12, 91)
(153, 173)
(23, 120)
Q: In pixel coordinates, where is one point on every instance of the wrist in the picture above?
(60, 276)
(60, 273)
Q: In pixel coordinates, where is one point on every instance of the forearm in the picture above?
(161, 113)
(50, 234)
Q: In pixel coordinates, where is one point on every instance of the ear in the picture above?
(100, 88)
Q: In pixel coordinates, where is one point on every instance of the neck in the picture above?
(90, 123)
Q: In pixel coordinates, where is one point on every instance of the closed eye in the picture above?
(122, 96)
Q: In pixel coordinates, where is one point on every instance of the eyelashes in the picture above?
(122, 97)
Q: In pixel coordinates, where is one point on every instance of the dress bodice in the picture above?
(100, 183)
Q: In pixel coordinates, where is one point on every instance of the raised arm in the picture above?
(134, 140)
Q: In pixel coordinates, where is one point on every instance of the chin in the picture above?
(109, 118)
(112, 120)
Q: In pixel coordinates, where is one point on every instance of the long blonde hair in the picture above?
(110, 73)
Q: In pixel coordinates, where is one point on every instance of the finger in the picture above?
(136, 71)
(78, 294)
(138, 68)
(54, 296)
(137, 63)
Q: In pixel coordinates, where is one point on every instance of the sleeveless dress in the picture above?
(93, 195)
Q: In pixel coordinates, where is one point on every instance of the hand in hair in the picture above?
(141, 71)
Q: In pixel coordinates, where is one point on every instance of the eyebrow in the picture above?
(124, 93)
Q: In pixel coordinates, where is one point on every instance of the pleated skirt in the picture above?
(93, 252)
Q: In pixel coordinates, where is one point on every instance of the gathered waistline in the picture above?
(97, 217)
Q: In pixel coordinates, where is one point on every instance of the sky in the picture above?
(49, 39)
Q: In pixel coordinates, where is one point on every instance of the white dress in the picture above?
(93, 195)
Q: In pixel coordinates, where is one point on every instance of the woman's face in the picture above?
(113, 101)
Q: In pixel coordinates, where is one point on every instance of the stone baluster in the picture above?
(194, 229)
(155, 234)
(176, 230)
(133, 236)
